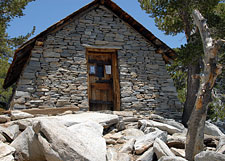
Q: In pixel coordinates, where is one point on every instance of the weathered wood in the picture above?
(101, 102)
(46, 111)
(102, 86)
(39, 43)
(193, 83)
(195, 135)
(104, 81)
(101, 50)
(93, 61)
(116, 83)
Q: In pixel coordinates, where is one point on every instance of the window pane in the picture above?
(100, 71)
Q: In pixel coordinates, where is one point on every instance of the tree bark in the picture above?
(193, 70)
(192, 89)
(196, 123)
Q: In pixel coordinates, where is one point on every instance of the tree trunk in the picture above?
(192, 90)
(196, 123)
(193, 70)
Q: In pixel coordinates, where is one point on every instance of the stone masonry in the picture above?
(56, 74)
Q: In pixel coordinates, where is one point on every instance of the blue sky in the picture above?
(44, 13)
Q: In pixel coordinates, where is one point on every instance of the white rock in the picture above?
(128, 147)
(16, 115)
(115, 136)
(221, 142)
(66, 113)
(113, 155)
(147, 156)
(150, 129)
(144, 142)
(180, 135)
(167, 121)
(124, 113)
(6, 133)
(178, 152)
(176, 141)
(59, 143)
(90, 135)
(170, 129)
(8, 158)
(4, 118)
(120, 126)
(130, 119)
(221, 150)
(91, 127)
(169, 158)
(209, 156)
(14, 130)
(161, 149)
(106, 120)
(132, 133)
(2, 138)
(23, 124)
(155, 117)
(26, 144)
(6, 150)
(174, 123)
(221, 145)
(211, 129)
(110, 141)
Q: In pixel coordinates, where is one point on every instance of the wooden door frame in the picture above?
(115, 72)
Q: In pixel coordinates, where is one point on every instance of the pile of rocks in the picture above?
(101, 136)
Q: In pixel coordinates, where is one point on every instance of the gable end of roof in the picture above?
(23, 53)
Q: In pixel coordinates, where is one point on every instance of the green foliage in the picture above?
(165, 13)
(216, 21)
(217, 107)
(178, 72)
(4, 94)
(192, 51)
(216, 110)
(9, 9)
(174, 16)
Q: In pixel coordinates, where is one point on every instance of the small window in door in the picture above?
(100, 71)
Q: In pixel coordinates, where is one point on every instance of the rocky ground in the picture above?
(101, 136)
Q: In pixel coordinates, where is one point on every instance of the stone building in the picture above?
(98, 58)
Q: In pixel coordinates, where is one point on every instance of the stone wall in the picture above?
(56, 74)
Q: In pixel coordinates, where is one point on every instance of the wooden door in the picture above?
(103, 80)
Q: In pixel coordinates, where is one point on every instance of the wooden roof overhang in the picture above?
(23, 53)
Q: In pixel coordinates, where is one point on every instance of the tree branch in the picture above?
(196, 123)
(221, 42)
(210, 47)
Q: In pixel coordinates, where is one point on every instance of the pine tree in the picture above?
(9, 9)
(174, 17)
